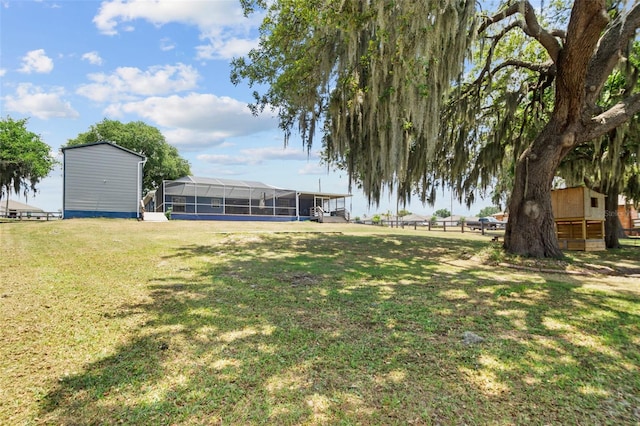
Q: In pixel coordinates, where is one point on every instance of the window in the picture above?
(179, 204)
(594, 202)
(216, 202)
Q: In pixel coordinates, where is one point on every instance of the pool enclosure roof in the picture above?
(224, 182)
(249, 184)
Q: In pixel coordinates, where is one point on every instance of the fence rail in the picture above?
(440, 225)
(34, 215)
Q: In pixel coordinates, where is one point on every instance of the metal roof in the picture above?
(225, 182)
(64, 148)
(18, 206)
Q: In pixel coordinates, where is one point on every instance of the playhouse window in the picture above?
(594, 202)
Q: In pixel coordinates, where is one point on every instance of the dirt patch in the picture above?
(301, 279)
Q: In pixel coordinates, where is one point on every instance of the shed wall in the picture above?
(101, 180)
(594, 208)
(567, 203)
(578, 202)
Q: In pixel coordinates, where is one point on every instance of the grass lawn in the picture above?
(121, 322)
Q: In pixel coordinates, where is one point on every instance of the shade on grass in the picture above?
(190, 323)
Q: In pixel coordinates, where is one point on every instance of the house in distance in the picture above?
(101, 179)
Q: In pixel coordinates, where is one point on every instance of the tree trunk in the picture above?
(612, 225)
(531, 229)
(6, 206)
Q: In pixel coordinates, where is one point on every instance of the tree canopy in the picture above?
(372, 73)
(388, 82)
(488, 211)
(24, 158)
(443, 213)
(163, 159)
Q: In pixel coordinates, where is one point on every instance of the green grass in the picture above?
(120, 322)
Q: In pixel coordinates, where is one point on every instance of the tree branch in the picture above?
(533, 29)
(546, 68)
(588, 20)
(612, 118)
(561, 34)
(504, 13)
(494, 42)
(609, 50)
(530, 26)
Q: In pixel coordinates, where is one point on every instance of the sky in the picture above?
(66, 65)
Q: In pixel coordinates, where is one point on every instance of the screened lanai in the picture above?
(225, 199)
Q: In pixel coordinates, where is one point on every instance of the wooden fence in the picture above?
(34, 215)
(440, 225)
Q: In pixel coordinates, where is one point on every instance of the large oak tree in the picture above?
(378, 76)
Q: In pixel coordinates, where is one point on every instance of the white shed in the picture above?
(101, 180)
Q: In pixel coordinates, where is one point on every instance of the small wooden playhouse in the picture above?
(579, 215)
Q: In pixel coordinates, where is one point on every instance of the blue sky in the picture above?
(66, 65)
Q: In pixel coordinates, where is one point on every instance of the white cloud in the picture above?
(33, 100)
(313, 169)
(203, 14)
(222, 24)
(93, 58)
(166, 44)
(279, 153)
(225, 49)
(190, 140)
(255, 156)
(225, 160)
(36, 61)
(196, 119)
(128, 83)
(2, 72)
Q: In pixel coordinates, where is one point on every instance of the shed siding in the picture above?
(100, 180)
(577, 202)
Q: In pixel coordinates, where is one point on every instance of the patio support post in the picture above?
(139, 184)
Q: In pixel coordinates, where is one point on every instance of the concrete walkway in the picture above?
(155, 217)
